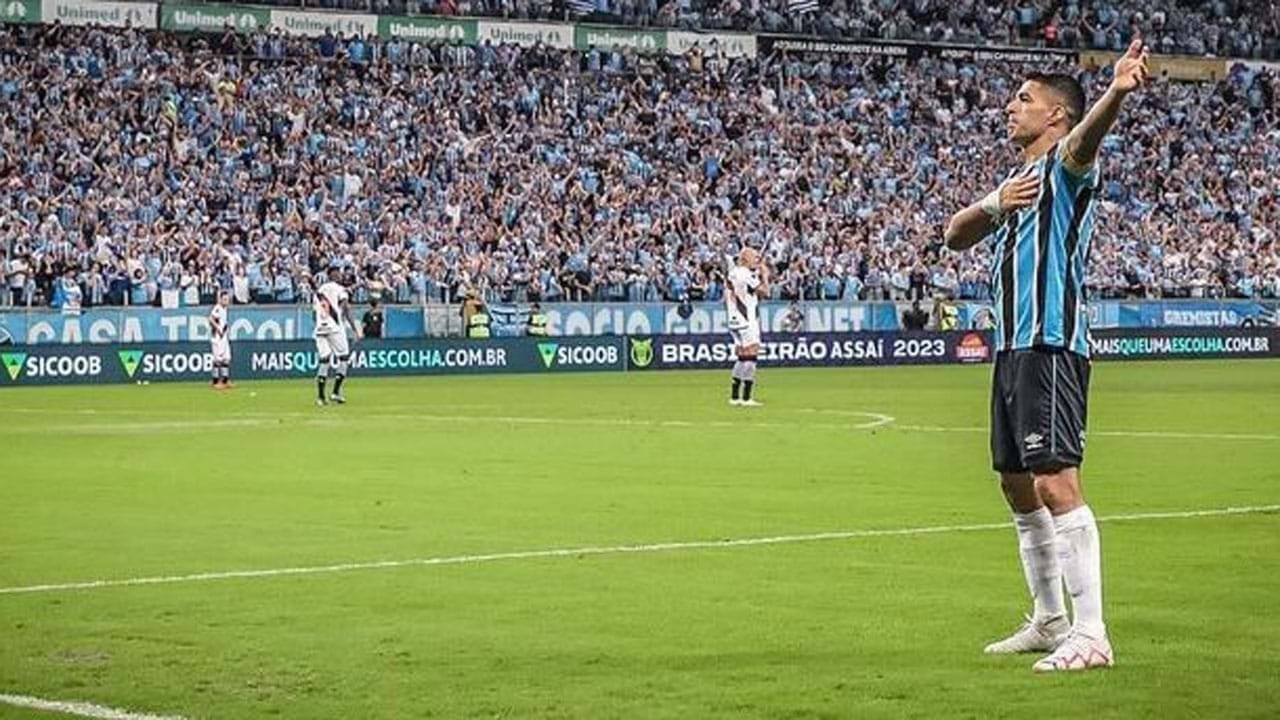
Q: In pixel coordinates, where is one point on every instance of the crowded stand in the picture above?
(138, 165)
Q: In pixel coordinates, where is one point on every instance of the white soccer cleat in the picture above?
(1033, 636)
(1078, 652)
(751, 403)
(735, 402)
(338, 399)
(320, 402)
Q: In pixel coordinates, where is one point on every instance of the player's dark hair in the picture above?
(1068, 88)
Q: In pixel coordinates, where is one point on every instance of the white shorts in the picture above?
(745, 336)
(332, 345)
(221, 350)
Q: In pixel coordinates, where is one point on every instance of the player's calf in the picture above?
(322, 380)
(219, 379)
(340, 376)
(744, 378)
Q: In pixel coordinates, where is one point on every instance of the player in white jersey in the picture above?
(748, 282)
(332, 308)
(220, 340)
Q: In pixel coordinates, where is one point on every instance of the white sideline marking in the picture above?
(1185, 435)
(126, 428)
(876, 421)
(604, 550)
(327, 417)
(80, 709)
(1163, 434)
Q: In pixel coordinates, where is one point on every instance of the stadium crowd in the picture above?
(1237, 28)
(137, 166)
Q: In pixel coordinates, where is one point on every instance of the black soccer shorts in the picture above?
(1039, 410)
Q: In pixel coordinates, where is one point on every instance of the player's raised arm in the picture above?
(969, 226)
(351, 320)
(1130, 74)
(762, 290)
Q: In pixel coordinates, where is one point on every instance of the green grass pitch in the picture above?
(127, 482)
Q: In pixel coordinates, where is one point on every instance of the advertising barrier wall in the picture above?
(245, 18)
(711, 317)
(259, 360)
(657, 318)
(40, 326)
(1186, 343)
(150, 325)
(256, 360)
(685, 352)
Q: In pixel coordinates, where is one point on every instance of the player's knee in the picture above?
(1019, 490)
(1059, 487)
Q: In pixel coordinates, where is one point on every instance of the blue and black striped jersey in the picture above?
(1039, 261)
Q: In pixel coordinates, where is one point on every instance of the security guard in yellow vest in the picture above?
(948, 316)
(537, 322)
(478, 323)
(473, 306)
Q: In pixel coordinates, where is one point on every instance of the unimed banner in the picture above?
(213, 18)
(586, 37)
(111, 14)
(20, 12)
(423, 29)
(256, 360)
(317, 23)
(499, 32)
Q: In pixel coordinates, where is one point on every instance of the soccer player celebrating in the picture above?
(748, 282)
(220, 342)
(1042, 220)
(332, 307)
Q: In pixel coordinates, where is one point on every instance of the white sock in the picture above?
(1036, 545)
(1080, 553)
